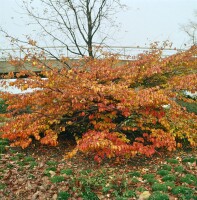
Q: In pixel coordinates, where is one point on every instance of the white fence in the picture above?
(125, 52)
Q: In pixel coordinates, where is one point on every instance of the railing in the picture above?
(125, 52)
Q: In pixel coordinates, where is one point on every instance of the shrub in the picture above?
(117, 109)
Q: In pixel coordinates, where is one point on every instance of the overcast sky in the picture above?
(143, 22)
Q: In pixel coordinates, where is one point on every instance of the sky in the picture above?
(143, 22)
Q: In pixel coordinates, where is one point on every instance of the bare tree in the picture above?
(191, 30)
(73, 22)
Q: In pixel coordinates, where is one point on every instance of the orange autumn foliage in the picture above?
(113, 108)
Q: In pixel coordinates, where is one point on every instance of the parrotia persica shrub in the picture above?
(112, 108)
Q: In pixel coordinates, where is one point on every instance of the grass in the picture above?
(81, 179)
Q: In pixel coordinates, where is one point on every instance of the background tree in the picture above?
(191, 30)
(77, 23)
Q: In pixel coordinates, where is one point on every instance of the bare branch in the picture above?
(72, 21)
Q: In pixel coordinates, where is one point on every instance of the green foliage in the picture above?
(135, 173)
(67, 171)
(47, 171)
(20, 155)
(170, 184)
(3, 106)
(4, 142)
(106, 189)
(21, 163)
(179, 169)
(191, 107)
(159, 187)
(169, 177)
(57, 179)
(14, 158)
(2, 149)
(93, 181)
(182, 190)
(28, 159)
(158, 196)
(163, 172)
(63, 195)
(33, 164)
(51, 169)
(189, 179)
(31, 176)
(191, 160)
(2, 186)
(148, 176)
(52, 163)
(141, 189)
(88, 194)
(152, 180)
(85, 172)
(10, 166)
(12, 150)
(166, 167)
(135, 180)
(172, 161)
(129, 193)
